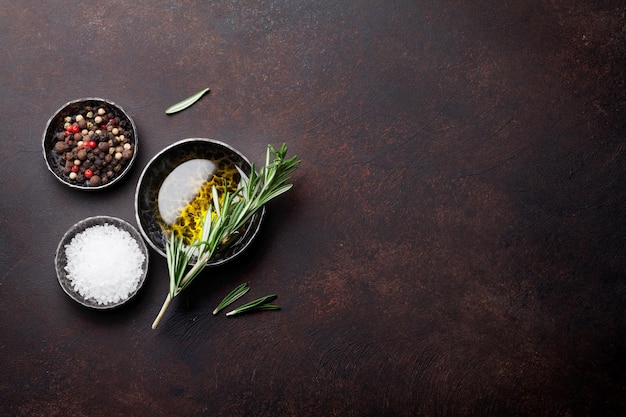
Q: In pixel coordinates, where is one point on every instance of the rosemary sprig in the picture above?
(232, 296)
(226, 217)
(263, 303)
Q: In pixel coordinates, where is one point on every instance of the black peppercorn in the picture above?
(60, 147)
(103, 146)
(95, 181)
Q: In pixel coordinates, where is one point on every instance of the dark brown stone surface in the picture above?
(454, 245)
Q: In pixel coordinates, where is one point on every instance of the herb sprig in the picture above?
(224, 218)
(232, 296)
(263, 303)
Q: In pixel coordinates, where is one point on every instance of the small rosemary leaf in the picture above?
(276, 193)
(232, 296)
(182, 105)
(267, 307)
(262, 307)
(259, 301)
(216, 200)
(258, 304)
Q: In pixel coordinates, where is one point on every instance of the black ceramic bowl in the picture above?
(61, 260)
(150, 209)
(58, 141)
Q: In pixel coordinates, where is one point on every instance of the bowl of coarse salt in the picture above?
(101, 262)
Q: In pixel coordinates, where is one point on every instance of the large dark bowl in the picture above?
(55, 162)
(156, 171)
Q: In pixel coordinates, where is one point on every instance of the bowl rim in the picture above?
(73, 231)
(120, 175)
(182, 142)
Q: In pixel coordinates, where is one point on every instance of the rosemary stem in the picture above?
(166, 304)
(224, 218)
(195, 270)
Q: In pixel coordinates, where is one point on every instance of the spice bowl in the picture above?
(101, 262)
(174, 192)
(90, 144)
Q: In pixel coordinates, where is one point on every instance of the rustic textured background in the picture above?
(454, 244)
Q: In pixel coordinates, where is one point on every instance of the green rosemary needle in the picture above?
(232, 296)
(263, 303)
(224, 218)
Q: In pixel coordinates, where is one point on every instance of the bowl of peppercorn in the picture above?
(90, 144)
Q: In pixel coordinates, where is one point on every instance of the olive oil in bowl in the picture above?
(174, 193)
(186, 195)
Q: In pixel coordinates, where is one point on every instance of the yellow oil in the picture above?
(186, 195)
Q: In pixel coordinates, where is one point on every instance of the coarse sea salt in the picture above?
(104, 263)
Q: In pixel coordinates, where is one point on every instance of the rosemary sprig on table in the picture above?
(232, 296)
(263, 303)
(224, 218)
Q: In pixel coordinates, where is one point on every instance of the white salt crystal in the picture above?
(104, 263)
